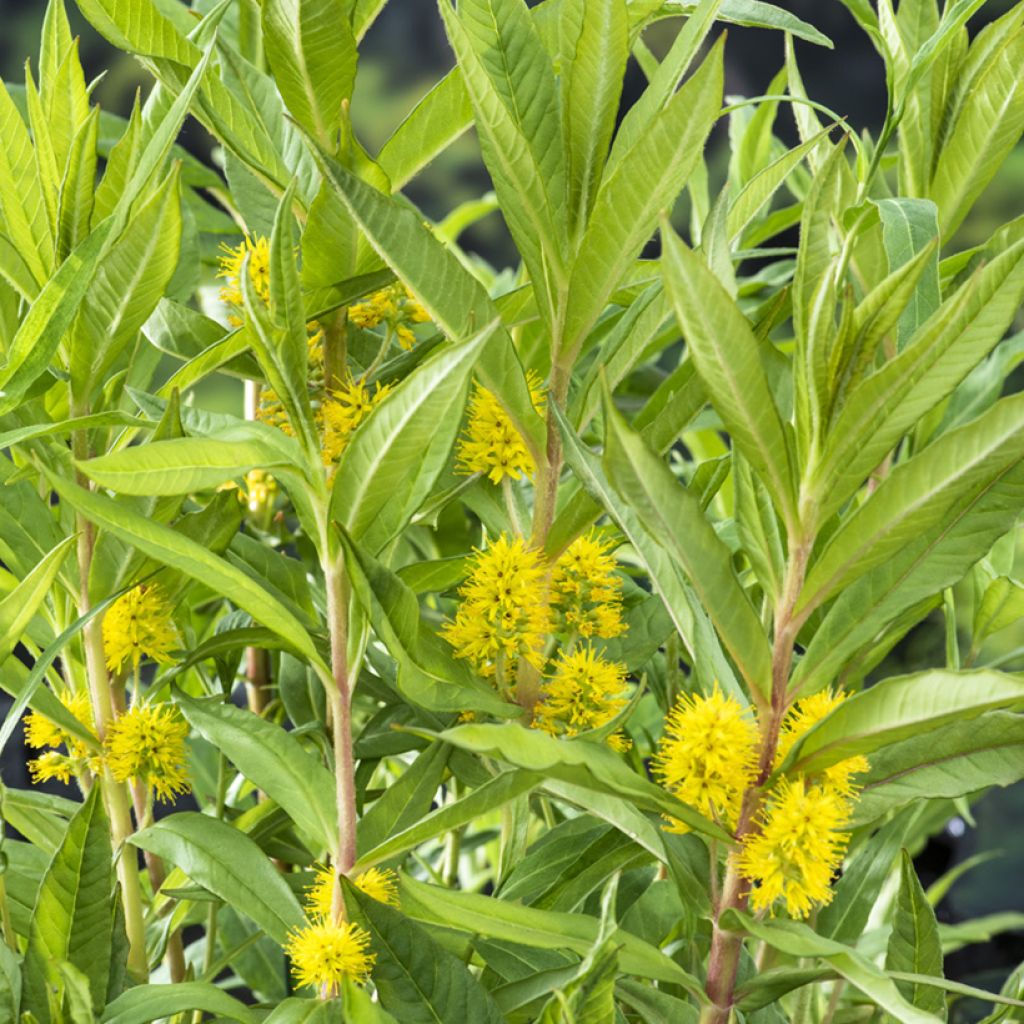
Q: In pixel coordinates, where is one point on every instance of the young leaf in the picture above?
(914, 945)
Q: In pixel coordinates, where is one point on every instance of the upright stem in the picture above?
(726, 946)
(551, 470)
(115, 793)
(341, 704)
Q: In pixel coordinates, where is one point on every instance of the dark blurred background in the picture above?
(402, 56)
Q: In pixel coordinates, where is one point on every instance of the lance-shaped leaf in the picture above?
(727, 355)
(580, 762)
(178, 551)
(144, 1003)
(896, 709)
(644, 183)
(672, 515)
(681, 602)
(914, 945)
(942, 352)
(312, 51)
(73, 919)
(457, 302)
(394, 459)
(228, 863)
(511, 83)
(916, 499)
(912, 577)
(273, 760)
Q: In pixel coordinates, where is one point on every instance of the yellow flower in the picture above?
(343, 411)
(138, 625)
(491, 444)
(585, 692)
(804, 715)
(708, 755)
(259, 491)
(378, 884)
(41, 732)
(147, 743)
(504, 613)
(324, 953)
(397, 307)
(52, 765)
(587, 592)
(231, 270)
(798, 849)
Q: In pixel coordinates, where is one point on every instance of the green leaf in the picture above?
(942, 352)
(898, 708)
(512, 87)
(918, 499)
(727, 356)
(181, 465)
(417, 980)
(174, 549)
(274, 761)
(439, 118)
(594, 45)
(499, 791)
(228, 863)
(914, 945)
(1001, 605)
(457, 302)
(956, 760)
(394, 459)
(674, 521)
(645, 181)
(543, 929)
(137, 26)
(986, 125)
(590, 765)
(73, 917)
(313, 1011)
(796, 939)
(312, 52)
(908, 225)
(682, 604)
(152, 1002)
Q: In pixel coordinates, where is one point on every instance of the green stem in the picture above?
(115, 793)
(550, 471)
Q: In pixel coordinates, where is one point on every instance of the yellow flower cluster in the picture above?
(147, 744)
(503, 615)
(584, 692)
(40, 732)
(491, 444)
(138, 625)
(258, 251)
(587, 592)
(323, 953)
(708, 756)
(396, 307)
(379, 884)
(342, 411)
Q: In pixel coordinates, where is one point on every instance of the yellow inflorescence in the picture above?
(396, 307)
(343, 411)
(584, 692)
(231, 262)
(379, 884)
(147, 744)
(138, 625)
(491, 444)
(708, 755)
(798, 848)
(323, 953)
(504, 613)
(41, 732)
(587, 593)
(804, 716)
